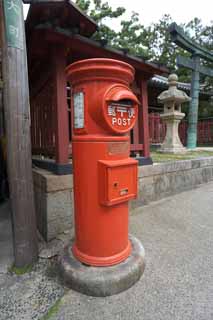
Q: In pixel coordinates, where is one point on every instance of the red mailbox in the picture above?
(105, 178)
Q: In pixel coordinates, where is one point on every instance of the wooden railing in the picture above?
(157, 130)
(43, 124)
(43, 120)
(205, 131)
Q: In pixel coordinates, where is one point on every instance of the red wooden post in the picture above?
(158, 128)
(17, 120)
(61, 112)
(150, 124)
(198, 131)
(143, 113)
(209, 130)
(202, 131)
(151, 128)
(136, 136)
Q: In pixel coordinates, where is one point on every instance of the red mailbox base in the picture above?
(101, 200)
(102, 261)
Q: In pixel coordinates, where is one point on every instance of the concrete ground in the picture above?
(177, 234)
(28, 296)
(177, 284)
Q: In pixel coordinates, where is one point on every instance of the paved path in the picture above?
(204, 149)
(177, 234)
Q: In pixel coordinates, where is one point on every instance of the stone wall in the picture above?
(54, 194)
(165, 179)
(54, 202)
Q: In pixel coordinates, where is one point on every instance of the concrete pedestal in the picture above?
(54, 203)
(103, 281)
(172, 143)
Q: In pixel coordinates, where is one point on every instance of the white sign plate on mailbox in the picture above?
(79, 110)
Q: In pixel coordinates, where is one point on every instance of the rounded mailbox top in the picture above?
(100, 68)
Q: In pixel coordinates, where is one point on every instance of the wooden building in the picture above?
(58, 33)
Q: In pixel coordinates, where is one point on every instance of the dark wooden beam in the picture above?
(2, 126)
(60, 104)
(182, 40)
(90, 48)
(17, 118)
(96, 49)
(144, 119)
(190, 64)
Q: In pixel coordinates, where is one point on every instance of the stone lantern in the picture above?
(172, 100)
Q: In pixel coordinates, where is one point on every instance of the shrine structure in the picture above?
(58, 34)
(198, 53)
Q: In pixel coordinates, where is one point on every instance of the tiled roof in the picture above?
(162, 82)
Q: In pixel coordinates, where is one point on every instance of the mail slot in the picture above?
(104, 110)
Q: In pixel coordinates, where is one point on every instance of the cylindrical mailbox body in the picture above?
(105, 178)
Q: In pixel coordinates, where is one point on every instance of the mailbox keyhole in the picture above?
(115, 184)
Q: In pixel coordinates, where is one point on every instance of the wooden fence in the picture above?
(157, 130)
(44, 123)
(43, 120)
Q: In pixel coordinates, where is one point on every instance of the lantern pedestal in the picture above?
(172, 143)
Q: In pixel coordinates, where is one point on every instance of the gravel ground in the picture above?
(178, 280)
(29, 296)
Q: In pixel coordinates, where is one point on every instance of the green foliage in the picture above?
(20, 271)
(53, 310)
(152, 42)
(166, 157)
(165, 52)
(133, 37)
(99, 11)
(83, 5)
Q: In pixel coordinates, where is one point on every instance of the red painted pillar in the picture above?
(61, 109)
(144, 128)
(135, 143)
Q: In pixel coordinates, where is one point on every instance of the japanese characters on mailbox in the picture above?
(121, 116)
